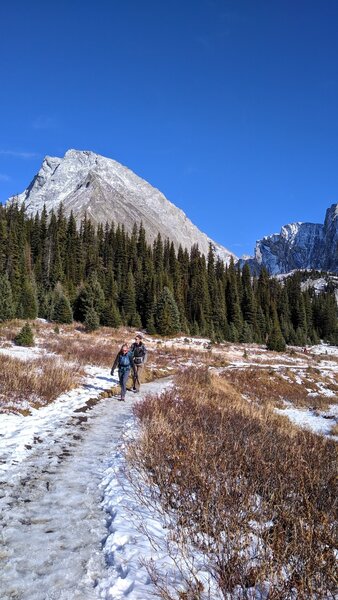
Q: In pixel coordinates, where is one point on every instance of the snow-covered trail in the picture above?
(52, 524)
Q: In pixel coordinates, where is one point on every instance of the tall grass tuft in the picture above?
(38, 381)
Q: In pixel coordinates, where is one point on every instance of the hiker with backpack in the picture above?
(124, 362)
(139, 353)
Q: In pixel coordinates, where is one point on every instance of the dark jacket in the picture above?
(139, 352)
(124, 362)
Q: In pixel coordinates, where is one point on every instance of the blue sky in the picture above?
(229, 107)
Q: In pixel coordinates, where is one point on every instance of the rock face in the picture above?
(105, 190)
(300, 246)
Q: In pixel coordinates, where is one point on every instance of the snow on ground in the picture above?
(71, 525)
(185, 342)
(324, 349)
(52, 523)
(24, 353)
(138, 537)
(19, 434)
(317, 422)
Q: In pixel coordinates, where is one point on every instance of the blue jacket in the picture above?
(124, 362)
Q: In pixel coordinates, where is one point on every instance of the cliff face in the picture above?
(300, 246)
(330, 247)
(105, 190)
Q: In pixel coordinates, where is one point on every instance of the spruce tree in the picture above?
(232, 298)
(3, 244)
(128, 300)
(167, 319)
(82, 303)
(248, 301)
(92, 321)
(97, 294)
(28, 302)
(111, 315)
(25, 336)
(150, 325)
(7, 308)
(62, 312)
(276, 341)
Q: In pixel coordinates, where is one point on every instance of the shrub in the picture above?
(35, 381)
(25, 336)
(250, 491)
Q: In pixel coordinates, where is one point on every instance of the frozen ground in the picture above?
(71, 526)
(53, 523)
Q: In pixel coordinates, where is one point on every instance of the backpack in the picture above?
(139, 353)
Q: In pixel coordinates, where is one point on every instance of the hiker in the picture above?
(139, 352)
(124, 362)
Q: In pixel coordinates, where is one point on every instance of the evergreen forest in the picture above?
(54, 269)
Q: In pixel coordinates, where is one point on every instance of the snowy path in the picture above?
(51, 522)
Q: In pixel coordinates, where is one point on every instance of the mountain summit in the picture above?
(300, 246)
(105, 190)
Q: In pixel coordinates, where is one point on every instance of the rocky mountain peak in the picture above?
(300, 246)
(105, 190)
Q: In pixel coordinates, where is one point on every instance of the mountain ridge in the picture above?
(105, 190)
(299, 246)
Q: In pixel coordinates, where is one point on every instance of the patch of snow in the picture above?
(324, 349)
(308, 419)
(24, 352)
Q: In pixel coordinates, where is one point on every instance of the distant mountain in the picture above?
(105, 190)
(300, 246)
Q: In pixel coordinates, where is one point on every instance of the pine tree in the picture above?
(150, 325)
(82, 303)
(97, 294)
(92, 321)
(7, 308)
(128, 300)
(61, 310)
(28, 302)
(25, 336)
(246, 334)
(232, 334)
(276, 341)
(158, 254)
(167, 319)
(232, 298)
(111, 315)
(248, 300)
(3, 245)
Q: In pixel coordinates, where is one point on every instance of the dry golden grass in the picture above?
(267, 386)
(9, 329)
(35, 381)
(84, 348)
(230, 470)
(334, 429)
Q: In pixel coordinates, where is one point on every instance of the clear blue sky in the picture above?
(229, 107)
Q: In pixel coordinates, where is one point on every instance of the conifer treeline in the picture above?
(52, 269)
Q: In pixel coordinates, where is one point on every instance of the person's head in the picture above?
(124, 349)
(138, 338)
